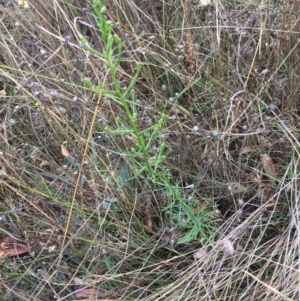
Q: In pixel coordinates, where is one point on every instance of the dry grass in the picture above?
(181, 186)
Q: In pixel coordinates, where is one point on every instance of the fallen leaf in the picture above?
(64, 151)
(9, 247)
(268, 166)
(44, 163)
(246, 150)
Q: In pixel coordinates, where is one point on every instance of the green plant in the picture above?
(135, 141)
(196, 224)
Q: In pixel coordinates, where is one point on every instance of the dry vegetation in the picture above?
(156, 159)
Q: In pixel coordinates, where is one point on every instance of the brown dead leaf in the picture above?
(85, 292)
(44, 163)
(246, 150)
(9, 247)
(64, 151)
(268, 166)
